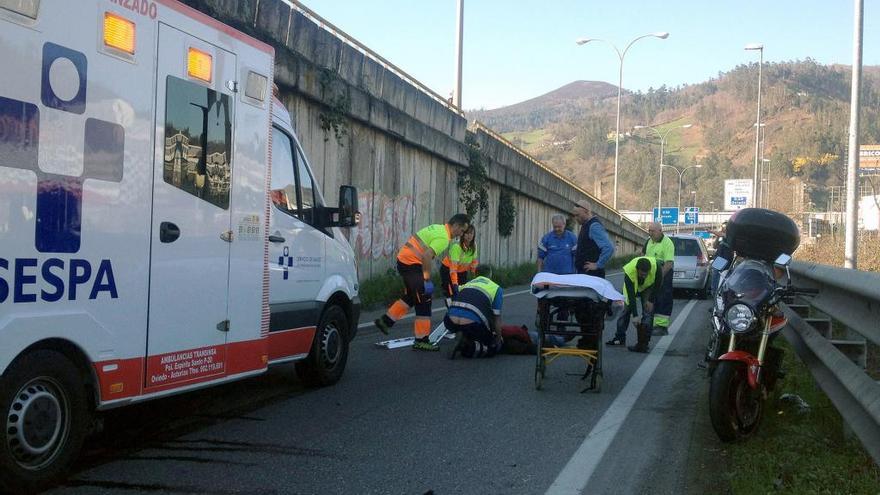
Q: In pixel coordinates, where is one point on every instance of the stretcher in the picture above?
(573, 306)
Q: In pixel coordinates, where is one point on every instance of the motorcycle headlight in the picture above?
(739, 317)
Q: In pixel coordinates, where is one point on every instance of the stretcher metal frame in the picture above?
(555, 300)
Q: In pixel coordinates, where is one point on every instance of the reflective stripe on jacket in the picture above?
(435, 236)
(477, 297)
(457, 260)
(631, 273)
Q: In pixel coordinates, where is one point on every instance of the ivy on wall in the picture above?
(334, 119)
(473, 181)
(506, 213)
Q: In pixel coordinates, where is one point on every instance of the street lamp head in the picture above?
(700, 165)
(687, 126)
(583, 41)
(662, 35)
(765, 160)
(754, 46)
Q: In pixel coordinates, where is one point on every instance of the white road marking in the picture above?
(576, 474)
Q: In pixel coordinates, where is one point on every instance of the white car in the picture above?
(691, 268)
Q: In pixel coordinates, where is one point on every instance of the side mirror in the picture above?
(720, 263)
(347, 215)
(783, 260)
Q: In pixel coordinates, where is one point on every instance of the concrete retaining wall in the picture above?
(402, 149)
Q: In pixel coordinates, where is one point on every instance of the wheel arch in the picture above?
(75, 354)
(341, 299)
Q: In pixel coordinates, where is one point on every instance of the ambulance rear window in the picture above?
(198, 137)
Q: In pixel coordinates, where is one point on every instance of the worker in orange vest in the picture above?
(414, 265)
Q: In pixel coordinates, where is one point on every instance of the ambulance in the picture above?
(161, 230)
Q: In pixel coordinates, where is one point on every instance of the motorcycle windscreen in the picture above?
(751, 283)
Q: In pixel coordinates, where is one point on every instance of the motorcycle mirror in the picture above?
(782, 260)
(720, 263)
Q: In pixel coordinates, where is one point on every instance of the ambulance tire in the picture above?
(49, 389)
(329, 354)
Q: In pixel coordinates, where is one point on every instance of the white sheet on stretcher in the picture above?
(551, 285)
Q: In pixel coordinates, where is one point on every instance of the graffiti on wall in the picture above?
(385, 224)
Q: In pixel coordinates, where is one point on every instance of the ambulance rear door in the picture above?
(191, 222)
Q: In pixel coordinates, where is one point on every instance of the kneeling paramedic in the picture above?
(414, 265)
(475, 316)
(643, 277)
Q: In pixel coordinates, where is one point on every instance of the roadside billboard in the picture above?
(737, 194)
(869, 159)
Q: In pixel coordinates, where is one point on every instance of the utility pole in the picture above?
(850, 255)
(459, 38)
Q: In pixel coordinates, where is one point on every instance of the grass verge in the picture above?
(800, 453)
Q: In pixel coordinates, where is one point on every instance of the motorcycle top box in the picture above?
(762, 234)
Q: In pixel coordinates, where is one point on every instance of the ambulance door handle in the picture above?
(168, 232)
(276, 238)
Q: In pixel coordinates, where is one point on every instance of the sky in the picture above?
(516, 50)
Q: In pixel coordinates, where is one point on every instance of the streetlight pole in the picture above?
(620, 55)
(760, 48)
(662, 142)
(680, 175)
(459, 42)
(850, 252)
(765, 194)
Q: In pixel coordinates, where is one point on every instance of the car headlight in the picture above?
(739, 317)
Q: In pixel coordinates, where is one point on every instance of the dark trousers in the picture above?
(482, 342)
(623, 321)
(663, 307)
(446, 279)
(414, 288)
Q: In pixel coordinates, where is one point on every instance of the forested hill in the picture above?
(805, 111)
(573, 101)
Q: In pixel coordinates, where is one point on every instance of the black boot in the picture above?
(643, 332)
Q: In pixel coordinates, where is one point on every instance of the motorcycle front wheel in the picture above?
(734, 407)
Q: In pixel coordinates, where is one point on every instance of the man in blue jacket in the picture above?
(557, 248)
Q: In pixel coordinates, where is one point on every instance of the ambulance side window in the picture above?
(283, 179)
(293, 190)
(306, 190)
(198, 137)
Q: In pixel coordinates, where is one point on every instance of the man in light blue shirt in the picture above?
(557, 248)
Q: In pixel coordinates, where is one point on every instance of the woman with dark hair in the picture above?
(460, 260)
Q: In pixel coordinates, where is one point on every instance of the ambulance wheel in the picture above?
(329, 354)
(46, 416)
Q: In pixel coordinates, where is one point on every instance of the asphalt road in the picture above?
(405, 422)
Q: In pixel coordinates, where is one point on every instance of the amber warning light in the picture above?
(198, 65)
(119, 33)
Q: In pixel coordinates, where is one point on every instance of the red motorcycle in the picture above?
(743, 364)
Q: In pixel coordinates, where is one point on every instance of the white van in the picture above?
(145, 248)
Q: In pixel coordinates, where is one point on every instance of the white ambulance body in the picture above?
(140, 227)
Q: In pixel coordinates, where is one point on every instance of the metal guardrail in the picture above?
(852, 298)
